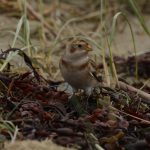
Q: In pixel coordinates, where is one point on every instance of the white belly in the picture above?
(78, 79)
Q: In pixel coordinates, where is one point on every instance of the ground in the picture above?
(41, 111)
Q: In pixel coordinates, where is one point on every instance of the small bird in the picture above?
(77, 68)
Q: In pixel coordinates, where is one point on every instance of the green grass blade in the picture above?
(113, 32)
(17, 31)
(27, 26)
(137, 12)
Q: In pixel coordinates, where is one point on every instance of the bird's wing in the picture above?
(93, 65)
(93, 71)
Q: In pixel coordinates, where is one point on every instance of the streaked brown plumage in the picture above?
(76, 68)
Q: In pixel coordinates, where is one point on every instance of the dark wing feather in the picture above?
(93, 69)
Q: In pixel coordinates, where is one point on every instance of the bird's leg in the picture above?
(76, 104)
(74, 91)
(88, 92)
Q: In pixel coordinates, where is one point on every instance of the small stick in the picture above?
(129, 88)
(140, 119)
(39, 18)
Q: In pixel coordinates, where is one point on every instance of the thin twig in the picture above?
(39, 18)
(143, 120)
(129, 88)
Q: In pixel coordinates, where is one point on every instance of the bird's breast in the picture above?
(74, 66)
(77, 74)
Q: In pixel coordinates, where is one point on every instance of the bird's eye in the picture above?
(79, 46)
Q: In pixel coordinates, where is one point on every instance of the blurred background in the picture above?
(42, 27)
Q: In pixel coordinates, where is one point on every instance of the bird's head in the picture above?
(79, 46)
(77, 50)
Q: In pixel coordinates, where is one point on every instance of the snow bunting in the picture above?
(76, 66)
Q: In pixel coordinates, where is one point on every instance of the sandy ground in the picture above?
(123, 46)
(34, 145)
(123, 41)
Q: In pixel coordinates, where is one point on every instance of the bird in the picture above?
(77, 68)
